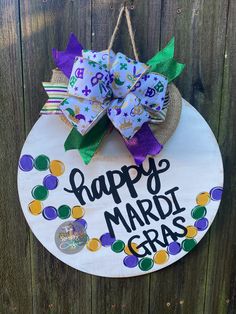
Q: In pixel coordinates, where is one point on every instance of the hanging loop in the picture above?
(124, 10)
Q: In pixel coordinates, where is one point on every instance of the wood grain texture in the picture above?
(199, 28)
(221, 272)
(15, 274)
(147, 30)
(46, 24)
(104, 18)
(34, 281)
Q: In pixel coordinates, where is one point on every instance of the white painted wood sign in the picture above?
(111, 218)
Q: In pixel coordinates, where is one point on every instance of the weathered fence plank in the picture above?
(199, 28)
(46, 24)
(146, 20)
(15, 275)
(221, 275)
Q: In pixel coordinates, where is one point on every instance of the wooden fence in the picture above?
(32, 280)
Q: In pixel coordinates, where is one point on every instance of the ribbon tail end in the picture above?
(143, 144)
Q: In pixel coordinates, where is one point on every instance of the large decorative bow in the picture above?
(103, 85)
(126, 92)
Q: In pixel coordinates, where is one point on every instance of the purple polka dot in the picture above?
(78, 226)
(106, 239)
(174, 248)
(26, 163)
(130, 261)
(50, 213)
(50, 182)
(216, 193)
(83, 222)
(201, 224)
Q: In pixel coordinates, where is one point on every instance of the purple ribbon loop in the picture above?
(64, 60)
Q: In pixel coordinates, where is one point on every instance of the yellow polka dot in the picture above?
(161, 257)
(191, 232)
(93, 244)
(203, 198)
(134, 247)
(77, 212)
(57, 168)
(35, 207)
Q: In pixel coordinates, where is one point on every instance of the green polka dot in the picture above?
(41, 163)
(188, 244)
(198, 212)
(39, 193)
(64, 211)
(118, 246)
(145, 263)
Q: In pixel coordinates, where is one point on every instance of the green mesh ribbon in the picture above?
(164, 63)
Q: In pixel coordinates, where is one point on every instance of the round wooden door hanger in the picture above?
(112, 218)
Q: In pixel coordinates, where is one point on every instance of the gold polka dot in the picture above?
(191, 232)
(57, 168)
(93, 244)
(161, 257)
(35, 207)
(203, 198)
(134, 247)
(77, 212)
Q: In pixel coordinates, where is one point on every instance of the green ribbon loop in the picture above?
(164, 63)
(89, 143)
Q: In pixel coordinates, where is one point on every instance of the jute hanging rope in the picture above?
(123, 10)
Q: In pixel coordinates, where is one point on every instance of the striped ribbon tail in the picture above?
(56, 92)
